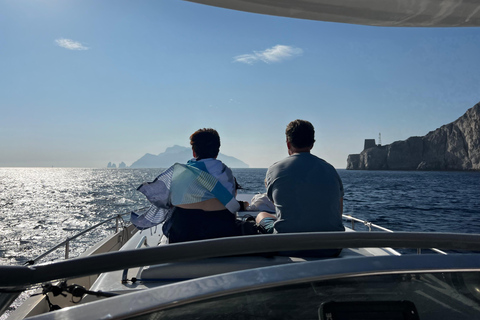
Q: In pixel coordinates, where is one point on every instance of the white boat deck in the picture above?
(152, 276)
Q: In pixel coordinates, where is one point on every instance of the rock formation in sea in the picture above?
(454, 146)
(181, 155)
(122, 165)
(111, 165)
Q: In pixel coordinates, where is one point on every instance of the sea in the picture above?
(40, 207)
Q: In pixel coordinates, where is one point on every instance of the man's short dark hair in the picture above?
(300, 134)
(205, 143)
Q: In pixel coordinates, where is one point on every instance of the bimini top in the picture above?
(387, 13)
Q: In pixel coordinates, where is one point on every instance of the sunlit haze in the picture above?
(84, 83)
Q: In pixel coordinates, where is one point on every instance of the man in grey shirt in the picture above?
(306, 190)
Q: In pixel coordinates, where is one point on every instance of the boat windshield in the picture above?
(449, 295)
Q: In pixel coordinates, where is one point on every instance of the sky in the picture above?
(87, 82)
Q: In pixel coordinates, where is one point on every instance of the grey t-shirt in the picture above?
(306, 191)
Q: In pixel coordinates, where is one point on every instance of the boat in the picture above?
(135, 275)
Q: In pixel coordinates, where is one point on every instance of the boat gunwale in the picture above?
(23, 276)
(200, 289)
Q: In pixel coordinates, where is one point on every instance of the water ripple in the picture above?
(39, 207)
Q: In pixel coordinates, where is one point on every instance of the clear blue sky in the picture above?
(86, 82)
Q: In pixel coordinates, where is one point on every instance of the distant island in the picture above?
(454, 146)
(178, 154)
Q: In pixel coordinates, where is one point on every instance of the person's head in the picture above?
(300, 136)
(205, 143)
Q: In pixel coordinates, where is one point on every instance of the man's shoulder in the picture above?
(299, 159)
(317, 160)
(279, 162)
(325, 163)
(280, 165)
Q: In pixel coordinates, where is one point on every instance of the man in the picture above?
(306, 190)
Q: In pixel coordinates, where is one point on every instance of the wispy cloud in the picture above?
(70, 44)
(277, 53)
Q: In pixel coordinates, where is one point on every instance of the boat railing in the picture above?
(119, 220)
(370, 225)
(66, 243)
(142, 242)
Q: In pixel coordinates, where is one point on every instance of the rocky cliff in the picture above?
(455, 146)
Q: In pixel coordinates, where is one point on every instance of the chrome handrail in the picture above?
(143, 241)
(369, 225)
(118, 218)
(366, 223)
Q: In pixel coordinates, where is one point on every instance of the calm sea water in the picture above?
(40, 207)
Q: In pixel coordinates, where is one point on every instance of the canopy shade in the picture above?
(388, 13)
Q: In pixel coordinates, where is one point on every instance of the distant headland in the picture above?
(176, 154)
(454, 146)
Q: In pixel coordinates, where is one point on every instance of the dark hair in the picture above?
(300, 134)
(205, 143)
